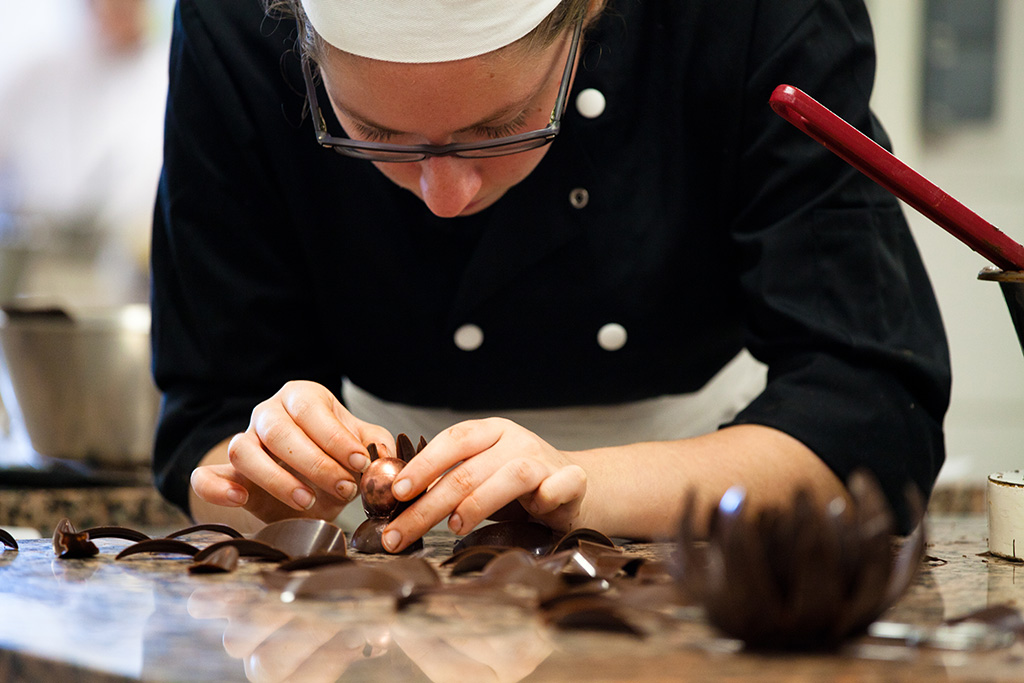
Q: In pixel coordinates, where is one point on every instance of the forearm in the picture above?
(638, 490)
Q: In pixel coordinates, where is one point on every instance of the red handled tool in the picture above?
(872, 160)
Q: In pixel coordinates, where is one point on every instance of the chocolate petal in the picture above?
(406, 451)
(314, 561)
(166, 546)
(589, 613)
(535, 538)
(246, 547)
(301, 537)
(472, 559)
(116, 532)
(7, 540)
(217, 528)
(577, 536)
(221, 561)
(371, 451)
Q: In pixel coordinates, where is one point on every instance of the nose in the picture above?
(448, 184)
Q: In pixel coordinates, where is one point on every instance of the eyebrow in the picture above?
(507, 112)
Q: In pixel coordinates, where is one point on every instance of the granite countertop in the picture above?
(147, 618)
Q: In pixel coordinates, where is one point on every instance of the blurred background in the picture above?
(82, 85)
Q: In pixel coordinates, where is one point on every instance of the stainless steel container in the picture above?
(1012, 284)
(82, 383)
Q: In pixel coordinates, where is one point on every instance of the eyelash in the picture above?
(377, 135)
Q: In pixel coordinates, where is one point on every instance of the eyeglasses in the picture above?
(386, 152)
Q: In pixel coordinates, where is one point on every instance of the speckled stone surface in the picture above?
(146, 618)
(134, 506)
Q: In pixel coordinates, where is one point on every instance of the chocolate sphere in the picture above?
(375, 487)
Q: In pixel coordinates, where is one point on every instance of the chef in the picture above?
(565, 240)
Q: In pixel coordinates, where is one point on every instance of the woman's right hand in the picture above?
(301, 456)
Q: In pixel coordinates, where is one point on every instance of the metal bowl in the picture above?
(82, 382)
(1012, 284)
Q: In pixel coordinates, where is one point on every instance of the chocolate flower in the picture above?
(803, 578)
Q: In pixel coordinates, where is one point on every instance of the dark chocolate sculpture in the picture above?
(803, 578)
(379, 502)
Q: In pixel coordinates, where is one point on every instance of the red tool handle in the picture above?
(872, 160)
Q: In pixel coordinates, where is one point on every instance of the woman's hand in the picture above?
(300, 457)
(479, 467)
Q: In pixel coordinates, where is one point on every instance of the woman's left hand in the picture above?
(479, 467)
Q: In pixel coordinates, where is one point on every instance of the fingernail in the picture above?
(401, 488)
(347, 490)
(359, 462)
(304, 498)
(390, 540)
(238, 496)
(455, 523)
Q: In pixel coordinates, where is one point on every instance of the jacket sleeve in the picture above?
(221, 226)
(837, 300)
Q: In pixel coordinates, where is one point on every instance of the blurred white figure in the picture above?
(80, 153)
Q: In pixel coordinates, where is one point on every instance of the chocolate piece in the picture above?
(530, 536)
(116, 532)
(166, 546)
(246, 547)
(220, 561)
(314, 561)
(577, 536)
(69, 543)
(802, 578)
(367, 538)
(217, 528)
(302, 537)
(7, 540)
(472, 559)
(589, 613)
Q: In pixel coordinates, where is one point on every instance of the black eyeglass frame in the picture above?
(503, 146)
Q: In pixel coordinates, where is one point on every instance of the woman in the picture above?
(590, 300)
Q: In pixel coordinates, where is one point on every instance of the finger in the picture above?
(247, 455)
(511, 481)
(457, 443)
(220, 485)
(330, 427)
(564, 486)
(280, 435)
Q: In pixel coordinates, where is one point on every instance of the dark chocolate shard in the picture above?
(577, 536)
(530, 536)
(121, 532)
(421, 445)
(7, 540)
(70, 544)
(162, 546)
(515, 567)
(406, 451)
(246, 547)
(221, 561)
(367, 538)
(314, 561)
(216, 528)
(371, 451)
(301, 537)
(589, 613)
(472, 559)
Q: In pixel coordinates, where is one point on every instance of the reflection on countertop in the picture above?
(147, 618)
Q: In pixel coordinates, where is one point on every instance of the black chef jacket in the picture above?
(687, 212)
